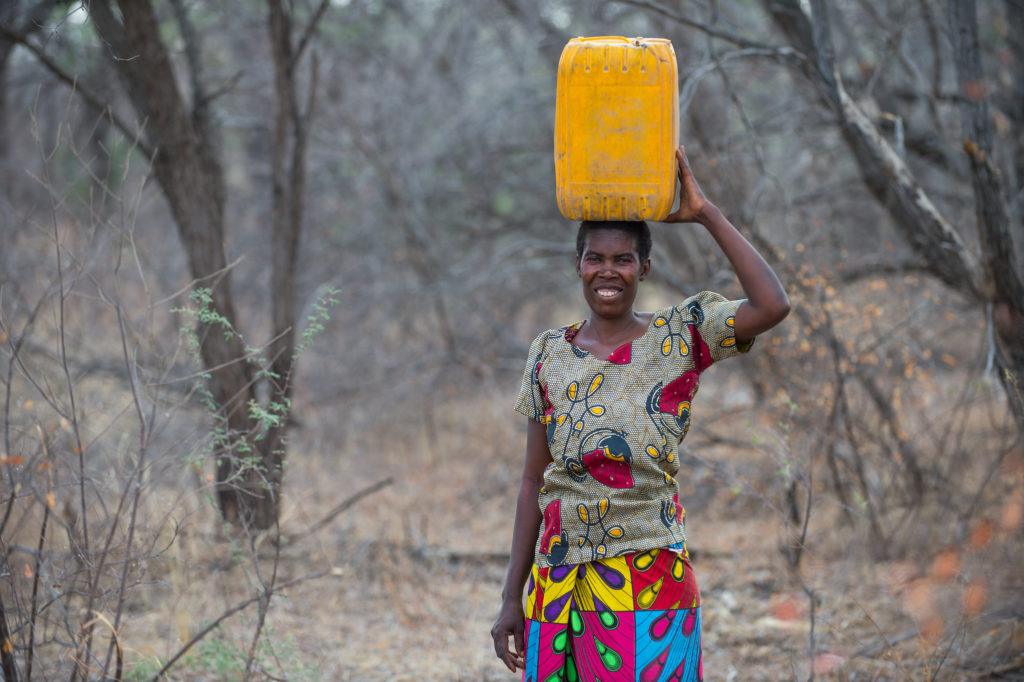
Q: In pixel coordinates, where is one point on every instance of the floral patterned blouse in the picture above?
(614, 426)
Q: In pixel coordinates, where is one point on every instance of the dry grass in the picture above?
(408, 600)
(414, 578)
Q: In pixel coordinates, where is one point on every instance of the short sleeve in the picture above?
(530, 401)
(716, 315)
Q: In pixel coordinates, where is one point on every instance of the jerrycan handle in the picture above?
(607, 39)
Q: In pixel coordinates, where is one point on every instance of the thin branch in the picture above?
(855, 273)
(346, 504)
(227, 614)
(727, 36)
(15, 357)
(7, 664)
(307, 33)
(87, 95)
(145, 429)
(689, 86)
(268, 588)
(39, 559)
(85, 548)
(224, 88)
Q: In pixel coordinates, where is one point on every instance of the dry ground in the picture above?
(416, 571)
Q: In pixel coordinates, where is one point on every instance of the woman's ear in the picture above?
(579, 273)
(645, 269)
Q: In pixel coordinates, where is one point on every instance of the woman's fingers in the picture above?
(510, 661)
(509, 658)
(500, 644)
(520, 640)
(684, 163)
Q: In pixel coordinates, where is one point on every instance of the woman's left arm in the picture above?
(767, 303)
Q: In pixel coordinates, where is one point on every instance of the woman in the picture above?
(611, 594)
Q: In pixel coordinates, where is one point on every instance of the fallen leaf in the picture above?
(981, 534)
(945, 566)
(826, 663)
(1012, 514)
(975, 597)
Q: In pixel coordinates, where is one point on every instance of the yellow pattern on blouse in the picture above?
(614, 427)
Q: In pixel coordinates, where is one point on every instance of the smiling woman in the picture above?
(611, 594)
(611, 259)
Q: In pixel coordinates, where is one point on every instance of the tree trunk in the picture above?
(996, 278)
(992, 213)
(1015, 19)
(188, 170)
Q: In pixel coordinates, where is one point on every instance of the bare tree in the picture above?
(997, 277)
(184, 142)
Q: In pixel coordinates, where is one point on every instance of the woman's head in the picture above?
(611, 259)
(638, 229)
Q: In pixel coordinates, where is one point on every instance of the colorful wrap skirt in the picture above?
(631, 617)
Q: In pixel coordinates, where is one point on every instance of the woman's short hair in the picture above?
(639, 230)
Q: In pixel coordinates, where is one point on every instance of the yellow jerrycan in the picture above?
(616, 128)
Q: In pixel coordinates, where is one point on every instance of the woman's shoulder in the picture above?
(544, 339)
(696, 305)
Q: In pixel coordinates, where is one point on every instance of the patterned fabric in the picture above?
(632, 617)
(614, 426)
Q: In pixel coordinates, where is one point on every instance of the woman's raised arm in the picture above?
(767, 303)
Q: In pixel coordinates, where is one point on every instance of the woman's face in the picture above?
(610, 270)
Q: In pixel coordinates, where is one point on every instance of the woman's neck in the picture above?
(612, 329)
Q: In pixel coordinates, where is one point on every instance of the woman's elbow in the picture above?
(783, 309)
(775, 313)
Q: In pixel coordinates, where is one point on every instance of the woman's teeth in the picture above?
(607, 293)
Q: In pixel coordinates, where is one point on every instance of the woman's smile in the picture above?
(610, 269)
(607, 291)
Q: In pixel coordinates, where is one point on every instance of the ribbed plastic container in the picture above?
(616, 128)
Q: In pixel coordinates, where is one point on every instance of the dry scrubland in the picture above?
(855, 492)
(414, 570)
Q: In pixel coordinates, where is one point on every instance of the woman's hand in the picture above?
(691, 199)
(510, 621)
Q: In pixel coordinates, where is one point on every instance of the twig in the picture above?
(710, 30)
(1000, 670)
(6, 648)
(264, 606)
(343, 506)
(885, 643)
(15, 349)
(693, 79)
(84, 548)
(888, 644)
(39, 559)
(227, 614)
(308, 32)
(115, 642)
(136, 477)
(72, 82)
(812, 598)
